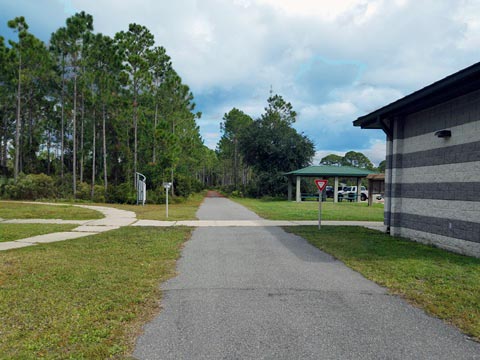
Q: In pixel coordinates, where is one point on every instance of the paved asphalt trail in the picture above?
(260, 293)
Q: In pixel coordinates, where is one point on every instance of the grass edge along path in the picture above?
(20, 210)
(308, 210)
(86, 298)
(11, 232)
(444, 284)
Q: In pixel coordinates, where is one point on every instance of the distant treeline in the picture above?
(81, 114)
(87, 109)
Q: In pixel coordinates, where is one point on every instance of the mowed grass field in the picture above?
(184, 210)
(19, 210)
(86, 298)
(10, 232)
(446, 285)
(308, 210)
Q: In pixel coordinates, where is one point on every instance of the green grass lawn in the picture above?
(308, 210)
(86, 298)
(10, 232)
(18, 210)
(446, 285)
(182, 211)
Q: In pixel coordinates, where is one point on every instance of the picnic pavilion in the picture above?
(325, 172)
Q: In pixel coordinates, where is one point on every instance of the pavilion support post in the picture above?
(290, 185)
(359, 188)
(298, 195)
(335, 190)
(370, 192)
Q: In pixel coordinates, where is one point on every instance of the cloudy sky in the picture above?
(334, 60)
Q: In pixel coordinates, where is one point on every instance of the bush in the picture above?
(32, 187)
(156, 196)
(4, 182)
(84, 191)
(185, 186)
(265, 184)
(99, 194)
(64, 186)
(122, 194)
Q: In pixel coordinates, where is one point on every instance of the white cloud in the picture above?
(375, 152)
(382, 49)
(367, 98)
(331, 115)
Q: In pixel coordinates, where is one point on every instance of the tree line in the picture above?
(90, 110)
(354, 159)
(255, 154)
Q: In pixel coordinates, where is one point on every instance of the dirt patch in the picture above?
(213, 194)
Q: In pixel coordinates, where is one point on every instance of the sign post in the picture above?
(321, 184)
(167, 186)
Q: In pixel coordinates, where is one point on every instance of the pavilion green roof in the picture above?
(327, 170)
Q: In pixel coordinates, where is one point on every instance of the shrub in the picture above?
(123, 194)
(4, 182)
(185, 186)
(99, 194)
(84, 191)
(32, 187)
(156, 196)
(64, 186)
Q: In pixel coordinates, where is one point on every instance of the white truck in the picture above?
(353, 190)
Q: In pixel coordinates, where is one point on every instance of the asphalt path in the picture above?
(261, 293)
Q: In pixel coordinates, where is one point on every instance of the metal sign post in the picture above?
(321, 184)
(167, 186)
(319, 209)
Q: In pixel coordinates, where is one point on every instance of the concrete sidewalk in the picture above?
(375, 225)
(114, 219)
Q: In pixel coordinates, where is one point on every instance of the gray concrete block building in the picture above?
(432, 177)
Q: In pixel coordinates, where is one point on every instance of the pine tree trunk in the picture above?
(3, 158)
(49, 145)
(81, 137)
(74, 136)
(135, 146)
(235, 164)
(27, 154)
(154, 134)
(171, 174)
(62, 135)
(92, 192)
(18, 124)
(104, 148)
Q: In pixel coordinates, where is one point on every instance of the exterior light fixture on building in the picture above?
(443, 133)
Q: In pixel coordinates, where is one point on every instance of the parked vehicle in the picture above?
(353, 189)
(329, 191)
